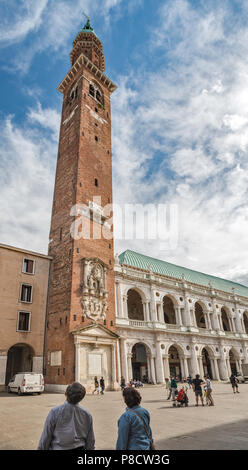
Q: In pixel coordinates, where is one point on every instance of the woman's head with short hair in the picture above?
(75, 393)
(131, 397)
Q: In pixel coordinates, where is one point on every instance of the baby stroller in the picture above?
(182, 398)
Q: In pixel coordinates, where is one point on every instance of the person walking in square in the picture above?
(196, 384)
(174, 389)
(234, 383)
(69, 426)
(102, 385)
(209, 391)
(96, 383)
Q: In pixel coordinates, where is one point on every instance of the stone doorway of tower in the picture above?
(20, 359)
(174, 363)
(139, 362)
(206, 363)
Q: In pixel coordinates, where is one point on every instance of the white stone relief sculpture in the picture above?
(94, 299)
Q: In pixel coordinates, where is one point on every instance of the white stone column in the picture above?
(118, 361)
(194, 362)
(130, 369)
(77, 362)
(186, 369)
(216, 368)
(3, 364)
(160, 312)
(238, 322)
(149, 367)
(119, 303)
(153, 307)
(153, 370)
(114, 367)
(201, 366)
(178, 316)
(166, 366)
(181, 366)
(223, 368)
(124, 305)
(124, 371)
(187, 312)
(159, 363)
(215, 320)
(146, 311)
(209, 321)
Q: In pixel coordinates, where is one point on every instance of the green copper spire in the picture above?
(87, 27)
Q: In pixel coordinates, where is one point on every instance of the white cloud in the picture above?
(194, 113)
(26, 185)
(23, 17)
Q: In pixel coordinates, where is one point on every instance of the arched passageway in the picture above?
(233, 362)
(174, 362)
(134, 305)
(139, 362)
(20, 359)
(206, 363)
(169, 311)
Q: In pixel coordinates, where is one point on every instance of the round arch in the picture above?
(19, 359)
(225, 314)
(199, 309)
(207, 355)
(174, 351)
(233, 360)
(140, 352)
(169, 309)
(135, 305)
(245, 320)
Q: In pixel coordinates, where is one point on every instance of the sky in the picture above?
(179, 120)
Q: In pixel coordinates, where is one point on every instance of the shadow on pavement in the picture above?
(232, 436)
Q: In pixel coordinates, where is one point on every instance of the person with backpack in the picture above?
(69, 426)
(197, 387)
(134, 431)
(234, 383)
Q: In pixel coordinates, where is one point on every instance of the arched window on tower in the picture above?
(96, 93)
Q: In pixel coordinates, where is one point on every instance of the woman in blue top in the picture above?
(134, 432)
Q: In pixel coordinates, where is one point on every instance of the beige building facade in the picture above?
(23, 285)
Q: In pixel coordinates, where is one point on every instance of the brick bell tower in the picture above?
(81, 342)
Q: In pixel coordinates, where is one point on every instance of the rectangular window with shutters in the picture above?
(23, 323)
(26, 293)
(28, 266)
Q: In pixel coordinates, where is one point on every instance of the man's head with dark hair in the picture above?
(131, 397)
(75, 393)
(197, 376)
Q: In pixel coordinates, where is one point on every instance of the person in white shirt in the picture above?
(209, 391)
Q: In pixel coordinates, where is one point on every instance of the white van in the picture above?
(26, 382)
